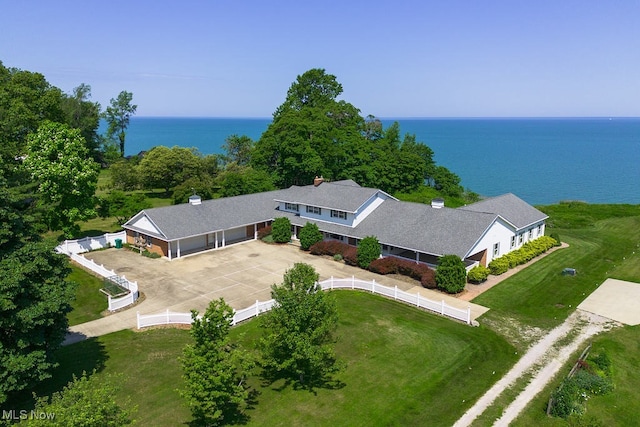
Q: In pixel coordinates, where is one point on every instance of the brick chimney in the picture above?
(317, 181)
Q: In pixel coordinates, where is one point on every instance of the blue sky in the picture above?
(225, 58)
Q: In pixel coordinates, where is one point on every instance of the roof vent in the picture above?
(318, 180)
(195, 200)
(437, 203)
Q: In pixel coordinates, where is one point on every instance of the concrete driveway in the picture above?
(241, 274)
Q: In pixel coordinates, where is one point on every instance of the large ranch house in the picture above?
(345, 211)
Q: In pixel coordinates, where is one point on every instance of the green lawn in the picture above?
(403, 366)
(540, 296)
(89, 302)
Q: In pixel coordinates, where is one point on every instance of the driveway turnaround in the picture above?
(241, 274)
(616, 300)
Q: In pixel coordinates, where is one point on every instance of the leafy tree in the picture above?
(451, 274)
(117, 116)
(281, 230)
(297, 344)
(214, 370)
(203, 186)
(34, 300)
(67, 178)
(309, 234)
(26, 101)
(164, 167)
(85, 401)
(368, 251)
(124, 174)
(235, 181)
(81, 113)
(238, 149)
(122, 206)
(447, 182)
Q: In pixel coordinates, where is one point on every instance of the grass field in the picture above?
(403, 366)
(604, 242)
(90, 302)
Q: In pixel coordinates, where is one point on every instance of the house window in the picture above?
(314, 210)
(531, 234)
(513, 242)
(540, 229)
(291, 207)
(496, 249)
(520, 238)
(338, 214)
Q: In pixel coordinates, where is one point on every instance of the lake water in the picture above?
(543, 161)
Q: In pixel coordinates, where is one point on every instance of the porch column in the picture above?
(169, 250)
(255, 231)
(223, 241)
(417, 256)
(178, 250)
(216, 240)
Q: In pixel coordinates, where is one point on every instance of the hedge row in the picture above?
(393, 265)
(526, 253)
(333, 247)
(478, 274)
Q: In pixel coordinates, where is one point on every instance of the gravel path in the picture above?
(548, 357)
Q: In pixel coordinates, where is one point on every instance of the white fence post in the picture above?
(331, 282)
(257, 308)
(395, 292)
(167, 316)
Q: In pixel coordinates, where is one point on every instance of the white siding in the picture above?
(368, 207)
(499, 232)
(143, 223)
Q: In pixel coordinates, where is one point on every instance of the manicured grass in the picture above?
(618, 408)
(540, 296)
(402, 367)
(89, 302)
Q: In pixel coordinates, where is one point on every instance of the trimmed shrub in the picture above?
(281, 230)
(524, 254)
(428, 279)
(555, 237)
(309, 234)
(350, 255)
(328, 247)
(368, 251)
(478, 274)
(264, 232)
(393, 265)
(337, 257)
(451, 275)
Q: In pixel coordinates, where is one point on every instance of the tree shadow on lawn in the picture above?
(85, 356)
(279, 381)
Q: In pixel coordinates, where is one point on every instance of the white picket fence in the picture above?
(256, 309)
(73, 249)
(88, 244)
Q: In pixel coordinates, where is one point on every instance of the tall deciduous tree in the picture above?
(299, 330)
(34, 300)
(164, 167)
(117, 116)
(214, 370)
(238, 149)
(85, 401)
(59, 161)
(84, 115)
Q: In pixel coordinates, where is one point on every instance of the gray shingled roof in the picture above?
(339, 195)
(407, 225)
(185, 220)
(416, 226)
(511, 208)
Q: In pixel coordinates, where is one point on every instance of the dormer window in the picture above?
(291, 207)
(314, 210)
(338, 214)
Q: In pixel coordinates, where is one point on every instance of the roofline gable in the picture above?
(137, 216)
